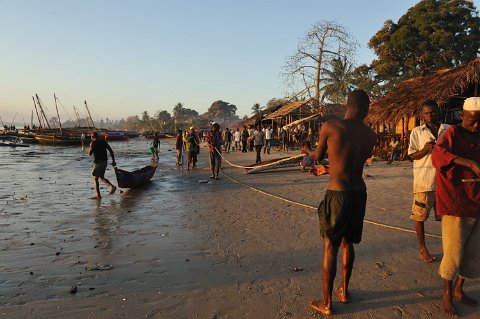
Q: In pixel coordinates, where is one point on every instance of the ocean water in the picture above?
(50, 229)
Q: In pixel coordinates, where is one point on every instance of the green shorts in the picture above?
(99, 169)
(341, 215)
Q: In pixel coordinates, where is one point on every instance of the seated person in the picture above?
(307, 162)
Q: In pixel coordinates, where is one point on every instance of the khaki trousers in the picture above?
(461, 247)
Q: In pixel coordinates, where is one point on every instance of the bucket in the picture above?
(152, 150)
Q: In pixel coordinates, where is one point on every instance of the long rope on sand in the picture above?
(406, 230)
(256, 166)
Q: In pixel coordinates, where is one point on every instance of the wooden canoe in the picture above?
(126, 179)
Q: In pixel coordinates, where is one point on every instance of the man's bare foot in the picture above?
(343, 298)
(448, 307)
(96, 197)
(113, 189)
(426, 257)
(320, 307)
(462, 297)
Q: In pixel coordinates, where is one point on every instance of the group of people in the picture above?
(446, 170)
(446, 180)
(187, 142)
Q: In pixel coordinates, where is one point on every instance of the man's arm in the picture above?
(474, 166)
(414, 150)
(111, 153)
(319, 153)
(90, 150)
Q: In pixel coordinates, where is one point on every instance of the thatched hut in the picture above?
(257, 119)
(399, 111)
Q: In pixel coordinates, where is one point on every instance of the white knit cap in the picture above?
(472, 104)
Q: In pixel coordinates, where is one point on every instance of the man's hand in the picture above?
(475, 167)
(305, 150)
(319, 170)
(429, 146)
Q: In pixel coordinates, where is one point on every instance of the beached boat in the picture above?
(58, 139)
(283, 162)
(136, 178)
(115, 136)
(12, 141)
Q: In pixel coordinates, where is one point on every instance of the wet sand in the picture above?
(184, 249)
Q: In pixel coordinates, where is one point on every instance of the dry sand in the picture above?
(184, 249)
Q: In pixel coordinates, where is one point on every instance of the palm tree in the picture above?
(256, 108)
(338, 79)
(178, 111)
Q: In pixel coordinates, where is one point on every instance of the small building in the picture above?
(398, 112)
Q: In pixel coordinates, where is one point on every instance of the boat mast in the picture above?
(36, 110)
(41, 111)
(56, 107)
(38, 116)
(86, 106)
(31, 120)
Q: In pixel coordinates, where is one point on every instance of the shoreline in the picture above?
(184, 249)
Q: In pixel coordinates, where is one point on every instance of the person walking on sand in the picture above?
(156, 145)
(99, 147)
(258, 141)
(215, 142)
(179, 148)
(350, 143)
(245, 136)
(422, 141)
(237, 137)
(191, 147)
(268, 139)
(456, 156)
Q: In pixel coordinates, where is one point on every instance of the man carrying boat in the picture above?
(456, 157)
(350, 143)
(99, 147)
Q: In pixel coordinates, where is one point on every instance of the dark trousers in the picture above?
(268, 144)
(258, 149)
(251, 145)
(215, 163)
(244, 146)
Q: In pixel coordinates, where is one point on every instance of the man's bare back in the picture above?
(350, 143)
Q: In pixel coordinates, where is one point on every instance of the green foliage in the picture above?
(338, 80)
(432, 35)
(220, 110)
(256, 108)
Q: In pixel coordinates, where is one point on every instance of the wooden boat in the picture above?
(12, 141)
(291, 161)
(115, 136)
(58, 139)
(136, 178)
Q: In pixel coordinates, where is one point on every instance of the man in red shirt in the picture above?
(456, 157)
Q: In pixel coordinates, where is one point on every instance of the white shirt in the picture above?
(237, 136)
(268, 134)
(423, 170)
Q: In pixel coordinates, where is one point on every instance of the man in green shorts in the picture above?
(350, 143)
(99, 147)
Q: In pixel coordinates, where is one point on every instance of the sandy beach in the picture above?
(179, 248)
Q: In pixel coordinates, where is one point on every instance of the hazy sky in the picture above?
(124, 57)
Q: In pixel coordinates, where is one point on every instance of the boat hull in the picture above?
(126, 179)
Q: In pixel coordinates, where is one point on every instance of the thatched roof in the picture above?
(291, 107)
(441, 86)
(332, 111)
(253, 120)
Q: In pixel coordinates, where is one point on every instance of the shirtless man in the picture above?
(350, 143)
(99, 147)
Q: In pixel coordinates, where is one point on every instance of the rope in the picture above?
(258, 166)
(406, 230)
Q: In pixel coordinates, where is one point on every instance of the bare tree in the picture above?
(306, 71)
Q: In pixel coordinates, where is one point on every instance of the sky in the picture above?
(124, 57)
